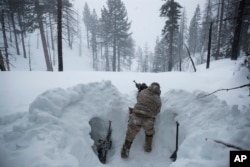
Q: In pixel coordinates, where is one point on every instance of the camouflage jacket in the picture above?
(148, 101)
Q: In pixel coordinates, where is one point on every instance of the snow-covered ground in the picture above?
(46, 118)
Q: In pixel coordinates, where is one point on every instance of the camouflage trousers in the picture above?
(136, 122)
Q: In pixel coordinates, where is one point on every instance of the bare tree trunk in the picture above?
(79, 34)
(114, 54)
(220, 29)
(68, 29)
(52, 40)
(59, 34)
(48, 44)
(107, 57)
(189, 55)
(2, 66)
(43, 38)
(45, 47)
(51, 33)
(209, 45)
(181, 38)
(5, 41)
(22, 35)
(14, 29)
(237, 31)
(29, 56)
(23, 45)
(170, 61)
(10, 32)
(119, 59)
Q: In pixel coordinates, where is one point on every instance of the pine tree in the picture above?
(145, 64)
(157, 53)
(87, 20)
(59, 35)
(105, 36)
(116, 20)
(139, 56)
(207, 18)
(171, 11)
(160, 52)
(194, 32)
(182, 38)
(127, 53)
(220, 26)
(93, 29)
(238, 29)
(30, 15)
(39, 9)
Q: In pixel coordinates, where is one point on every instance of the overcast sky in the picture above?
(144, 14)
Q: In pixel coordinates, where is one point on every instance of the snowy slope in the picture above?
(46, 118)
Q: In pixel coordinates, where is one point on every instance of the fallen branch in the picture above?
(242, 86)
(227, 144)
(189, 55)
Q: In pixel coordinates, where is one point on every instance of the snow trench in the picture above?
(63, 125)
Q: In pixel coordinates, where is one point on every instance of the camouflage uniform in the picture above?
(143, 115)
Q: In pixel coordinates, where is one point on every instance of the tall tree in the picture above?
(12, 10)
(105, 32)
(126, 53)
(182, 38)
(5, 39)
(139, 56)
(158, 54)
(93, 29)
(194, 32)
(39, 8)
(87, 20)
(246, 30)
(119, 28)
(237, 31)
(145, 65)
(221, 14)
(59, 35)
(207, 18)
(171, 11)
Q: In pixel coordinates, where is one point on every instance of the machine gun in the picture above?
(105, 145)
(140, 86)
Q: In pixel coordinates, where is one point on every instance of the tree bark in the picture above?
(51, 32)
(5, 41)
(237, 31)
(114, 54)
(209, 45)
(189, 55)
(14, 29)
(2, 66)
(22, 35)
(119, 59)
(43, 38)
(59, 34)
(106, 57)
(220, 29)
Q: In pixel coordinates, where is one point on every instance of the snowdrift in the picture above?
(62, 126)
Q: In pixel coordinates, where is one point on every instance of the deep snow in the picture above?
(45, 118)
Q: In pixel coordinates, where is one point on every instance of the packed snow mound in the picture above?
(56, 130)
(92, 99)
(202, 120)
